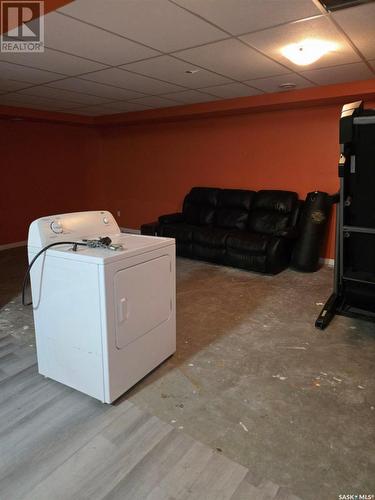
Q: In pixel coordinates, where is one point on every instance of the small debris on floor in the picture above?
(163, 395)
(360, 387)
(180, 405)
(320, 304)
(191, 364)
(180, 427)
(219, 450)
(323, 373)
(26, 327)
(244, 427)
(280, 377)
(337, 379)
(173, 421)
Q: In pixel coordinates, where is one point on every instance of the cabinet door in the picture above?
(143, 299)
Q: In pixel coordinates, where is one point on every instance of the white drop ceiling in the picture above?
(118, 56)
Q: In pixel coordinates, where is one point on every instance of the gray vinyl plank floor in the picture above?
(59, 444)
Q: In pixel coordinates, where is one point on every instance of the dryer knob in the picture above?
(56, 227)
(105, 220)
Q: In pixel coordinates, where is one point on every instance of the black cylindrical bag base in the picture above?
(312, 228)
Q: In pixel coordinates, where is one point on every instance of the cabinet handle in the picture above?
(123, 312)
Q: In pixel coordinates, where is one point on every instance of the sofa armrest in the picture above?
(278, 254)
(171, 218)
(150, 228)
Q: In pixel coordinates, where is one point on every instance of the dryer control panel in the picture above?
(71, 227)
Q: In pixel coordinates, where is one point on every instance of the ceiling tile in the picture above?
(91, 42)
(191, 97)
(359, 25)
(31, 101)
(155, 102)
(110, 109)
(232, 90)
(92, 111)
(272, 40)
(64, 95)
(125, 79)
(37, 107)
(272, 84)
(95, 89)
(123, 107)
(50, 60)
(10, 85)
(25, 74)
(338, 74)
(157, 23)
(173, 70)
(243, 16)
(233, 59)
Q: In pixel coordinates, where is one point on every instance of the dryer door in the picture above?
(143, 295)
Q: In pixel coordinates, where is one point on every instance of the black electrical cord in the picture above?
(25, 280)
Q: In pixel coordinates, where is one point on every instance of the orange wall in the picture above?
(145, 170)
(42, 168)
(149, 168)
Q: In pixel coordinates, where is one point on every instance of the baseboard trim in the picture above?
(327, 262)
(13, 245)
(130, 230)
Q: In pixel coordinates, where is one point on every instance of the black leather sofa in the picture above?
(240, 228)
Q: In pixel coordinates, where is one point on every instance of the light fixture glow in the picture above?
(307, 51)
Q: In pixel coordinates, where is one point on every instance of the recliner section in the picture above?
(236, 227)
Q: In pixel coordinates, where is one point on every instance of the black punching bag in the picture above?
(312, 227)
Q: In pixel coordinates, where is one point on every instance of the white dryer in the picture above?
(103, 318)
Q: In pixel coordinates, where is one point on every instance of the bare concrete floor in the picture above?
(254, 379)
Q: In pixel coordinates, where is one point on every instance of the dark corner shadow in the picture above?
(13, 265)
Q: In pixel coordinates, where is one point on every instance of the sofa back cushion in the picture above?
(200, 205)
(233, 208)
(272, 211)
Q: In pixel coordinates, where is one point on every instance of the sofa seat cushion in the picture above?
(181, 232)
(214, 237)
(249, 243)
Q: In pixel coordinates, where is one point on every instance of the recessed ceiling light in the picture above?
(192, 71)
(287, 86)
(307, 51)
